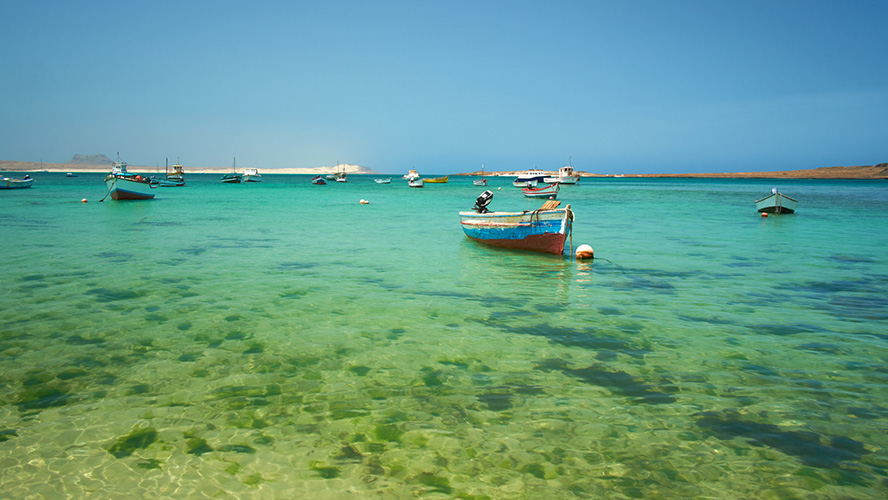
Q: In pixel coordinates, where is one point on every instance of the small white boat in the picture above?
(566, 175)
(776, 203)
(383, 181)
(411, 175)
(550, 191)
(10, 183)
(123, 185)
(415, 183)
(532, 176)
(482, 181)
(252, 175)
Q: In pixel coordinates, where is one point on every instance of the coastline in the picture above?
(866, 172)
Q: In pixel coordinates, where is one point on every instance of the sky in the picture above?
(618, 86)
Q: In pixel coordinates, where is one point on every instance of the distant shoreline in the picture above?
(872, 172)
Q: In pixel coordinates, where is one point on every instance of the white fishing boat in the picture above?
(482, 181)
(776, 203)
(566, 175)
(411, 175)
(383, 181)
(123, 185)
(12, 183)
(252, 175)
(416, 183)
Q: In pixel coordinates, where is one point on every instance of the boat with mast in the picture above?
(123, 185)
(482, 181)
(233, 177)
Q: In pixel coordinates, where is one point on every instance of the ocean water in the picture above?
(282, 340)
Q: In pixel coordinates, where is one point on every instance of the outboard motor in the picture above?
(482, 202)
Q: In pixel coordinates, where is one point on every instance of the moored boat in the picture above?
(123, 185)
(318, 181)
(532, 176)
(252, 175)
(70, 174)
(233, 177)
(12, 183)
(566, 175)
(437, 180)
(176, 177)
(482, 181)
(542, 230)
(411, 175)
(415, 183)
(383, 181)
(550, 191)
(776, 203)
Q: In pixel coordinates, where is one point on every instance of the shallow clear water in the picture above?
(281, 340)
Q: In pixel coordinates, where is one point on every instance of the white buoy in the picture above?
(585, 252)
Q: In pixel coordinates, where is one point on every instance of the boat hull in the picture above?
(538, 231)
(437, 180)
(122, 188)
(480, 182)
(570, 179)
(776, 203)
(550, 191)
(7, 183)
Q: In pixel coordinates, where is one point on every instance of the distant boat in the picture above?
(177, 176)
(776, 203)
(482, 181)
(318, 181)
(415, 183)
(437, 180)
(566, 175)
(10, 183)
(123, 185)
(233, 177)
(383, 181)
(550, 191)
(70, 174)
(532, 176)
(542, 230)
(252, 175)
(411, 175)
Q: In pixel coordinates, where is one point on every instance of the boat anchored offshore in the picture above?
(550, 191)
(566, 175)
(542, 230)
(776, 203)
(11, 183)
(233, 177)
(531, 176)
(482, 181)
(123, 185)
(252, 175)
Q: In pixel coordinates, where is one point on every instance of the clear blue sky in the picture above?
(619, 86)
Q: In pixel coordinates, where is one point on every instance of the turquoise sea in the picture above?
(282, 340)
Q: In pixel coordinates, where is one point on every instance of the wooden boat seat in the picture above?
(550, 205)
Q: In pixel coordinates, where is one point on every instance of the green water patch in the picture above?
(189, 357)
(293, 294)
(237, 448)
(572, 337)
(255, 348)
(7, 434)
(197, 446)
(618, 382)
(297, 266)
(183, 326)
(156, 318)
(33, 399)
(325, 471)
(713, 320)
(810, 448)
(193, 251)
(137, 439)
(783, 330)
(115, 256)
(432, 483)
(149, 464)
(77, 339)
(496, 401)
(348, 453)
(359, 370)
(108, 295)
(825, 348)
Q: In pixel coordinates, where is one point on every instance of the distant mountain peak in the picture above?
(90, 160)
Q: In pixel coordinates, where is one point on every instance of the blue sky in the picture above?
(618, 86)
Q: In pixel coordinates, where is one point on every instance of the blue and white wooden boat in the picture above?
(543, 230)
(776, 203)
(123, 185)
(318, 181)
